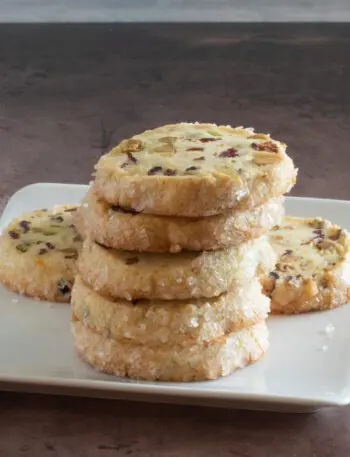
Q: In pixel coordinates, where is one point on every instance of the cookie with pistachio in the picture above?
(171, 362)
(313, 268)
(167, 276)
(194, 170)
(120, 229)
(181, 322)
(38, 252)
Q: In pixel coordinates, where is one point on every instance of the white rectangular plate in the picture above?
(304, 369)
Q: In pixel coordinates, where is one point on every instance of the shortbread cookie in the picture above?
(194, 170)
(313, 270)
(130, 275)
(38, 253)
(116, 228)
(169, 362)
(180, 322)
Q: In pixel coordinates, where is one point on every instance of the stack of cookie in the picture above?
(174, 242)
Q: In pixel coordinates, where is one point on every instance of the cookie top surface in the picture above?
(308, 247)
(194, 170)
(45, 231)
(187, 149)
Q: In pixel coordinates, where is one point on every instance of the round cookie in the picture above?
(197, 362)
(313, 269)
(166, 276)
(38, 252)
(174, 321)
(194, 170)
(119, 229)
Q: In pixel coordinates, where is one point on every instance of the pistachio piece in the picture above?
(317, 223)
(265, 158)
(336, 235)
(213, 132)
(70, 253)
(259, 136)
(168, 139)
(329, 245)
(22, 247)
(133, 145)
(166, 148)
(310, 288)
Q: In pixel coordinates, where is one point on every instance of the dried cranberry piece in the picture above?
(230, 152)
(155, 171)
(199, 158)
(131, 157)
(14, 235)
(268, 146)
(24, 225)
(170, 172)
(195, 149)
(57, 218)
(208, 140)
(274, 275)
(132, 260)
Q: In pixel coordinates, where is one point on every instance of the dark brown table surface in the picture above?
(68, 92)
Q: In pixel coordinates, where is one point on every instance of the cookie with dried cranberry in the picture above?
(194, 170)
(171, 362)
(181, 322)
(38, 252)
(313, 268)
(120, 229)
(167, 276)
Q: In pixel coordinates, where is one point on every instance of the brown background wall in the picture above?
(68, 92)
